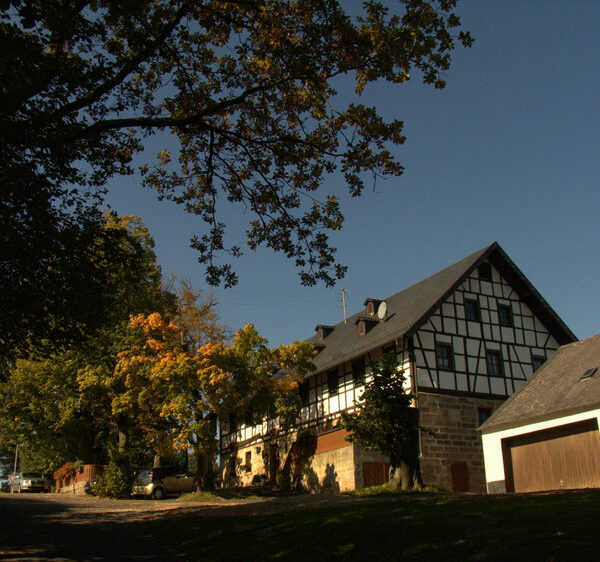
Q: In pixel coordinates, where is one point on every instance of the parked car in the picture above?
(160, 482)
(4, 484)
(29, 482)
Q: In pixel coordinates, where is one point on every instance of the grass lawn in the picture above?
(557, 526)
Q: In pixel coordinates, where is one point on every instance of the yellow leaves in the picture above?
(164, 157)
(285, 385)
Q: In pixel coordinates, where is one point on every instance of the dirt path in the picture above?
(60, 527)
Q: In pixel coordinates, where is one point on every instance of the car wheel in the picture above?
(158, 494)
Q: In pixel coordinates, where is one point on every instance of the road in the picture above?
(61, 527)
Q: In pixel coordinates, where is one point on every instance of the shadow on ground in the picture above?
(33, 528)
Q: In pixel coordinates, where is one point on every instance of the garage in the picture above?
(560, 458)
(546, 435)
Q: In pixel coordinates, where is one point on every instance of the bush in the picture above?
(116, 480)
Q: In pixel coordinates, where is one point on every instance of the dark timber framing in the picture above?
(422, 320)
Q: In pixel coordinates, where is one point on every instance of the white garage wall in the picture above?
(492, 442)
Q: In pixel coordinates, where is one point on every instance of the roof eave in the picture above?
(495, 428)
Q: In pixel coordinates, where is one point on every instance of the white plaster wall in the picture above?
(492, 442)
(323, 407)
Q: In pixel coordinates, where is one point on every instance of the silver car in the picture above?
(160, 482)
(29, 482)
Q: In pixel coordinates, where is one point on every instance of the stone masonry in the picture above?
(452, 458)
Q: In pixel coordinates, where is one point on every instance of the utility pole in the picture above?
(16, 456)
(344, 295)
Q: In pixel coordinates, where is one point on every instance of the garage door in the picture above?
(560, 458)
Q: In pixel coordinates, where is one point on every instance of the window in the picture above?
(248, 461)
(483, 414)
(493, 360)
(332, 382)
(537, 361)
(358, 371)
(444, 356)
(485, 272)
(303, 390)
(472, 311)
(505, 315)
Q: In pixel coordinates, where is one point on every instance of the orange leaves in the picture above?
(153, 323)
(165, 387)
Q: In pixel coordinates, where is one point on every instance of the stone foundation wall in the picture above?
(77, 489)
(331, 468)
(237, 471)
(453, 456)
(331, 471)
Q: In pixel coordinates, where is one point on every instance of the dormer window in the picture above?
(371, 306)
(323, 331)
(364, 324)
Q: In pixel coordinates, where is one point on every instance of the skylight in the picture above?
(589, 373)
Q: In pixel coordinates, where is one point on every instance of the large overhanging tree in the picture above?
(248, 89)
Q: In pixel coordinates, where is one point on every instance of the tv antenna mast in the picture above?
(344, 295)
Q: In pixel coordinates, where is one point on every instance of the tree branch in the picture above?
(128, 67)
(163, 122)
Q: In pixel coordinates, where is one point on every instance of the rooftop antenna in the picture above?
(344, 295)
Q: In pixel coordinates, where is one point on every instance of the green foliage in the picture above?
(40, 409)
(264, 379)
(202, 496)
(45, 405)
(117, 478)
(92, 277)
(248, 89)
(390, 490)
(385, 420)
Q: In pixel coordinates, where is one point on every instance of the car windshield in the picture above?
(31, 475)
(142, 477)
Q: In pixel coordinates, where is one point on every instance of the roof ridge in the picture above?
(482, 251)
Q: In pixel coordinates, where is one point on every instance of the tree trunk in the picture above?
(406, 476)
(204, 472)
(405, 471)
(122, 436)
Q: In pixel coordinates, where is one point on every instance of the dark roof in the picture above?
(409, 309)
(556, 388)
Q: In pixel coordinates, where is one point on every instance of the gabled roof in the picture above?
(409, 309)
(556, 389)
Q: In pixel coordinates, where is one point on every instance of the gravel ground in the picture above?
(62, 527)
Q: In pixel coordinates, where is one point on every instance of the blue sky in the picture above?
(507, 152)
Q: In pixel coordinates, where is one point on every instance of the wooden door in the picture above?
(375, 473)
(459, 472)
(561, 458)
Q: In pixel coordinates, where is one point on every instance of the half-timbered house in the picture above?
(467, 338)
